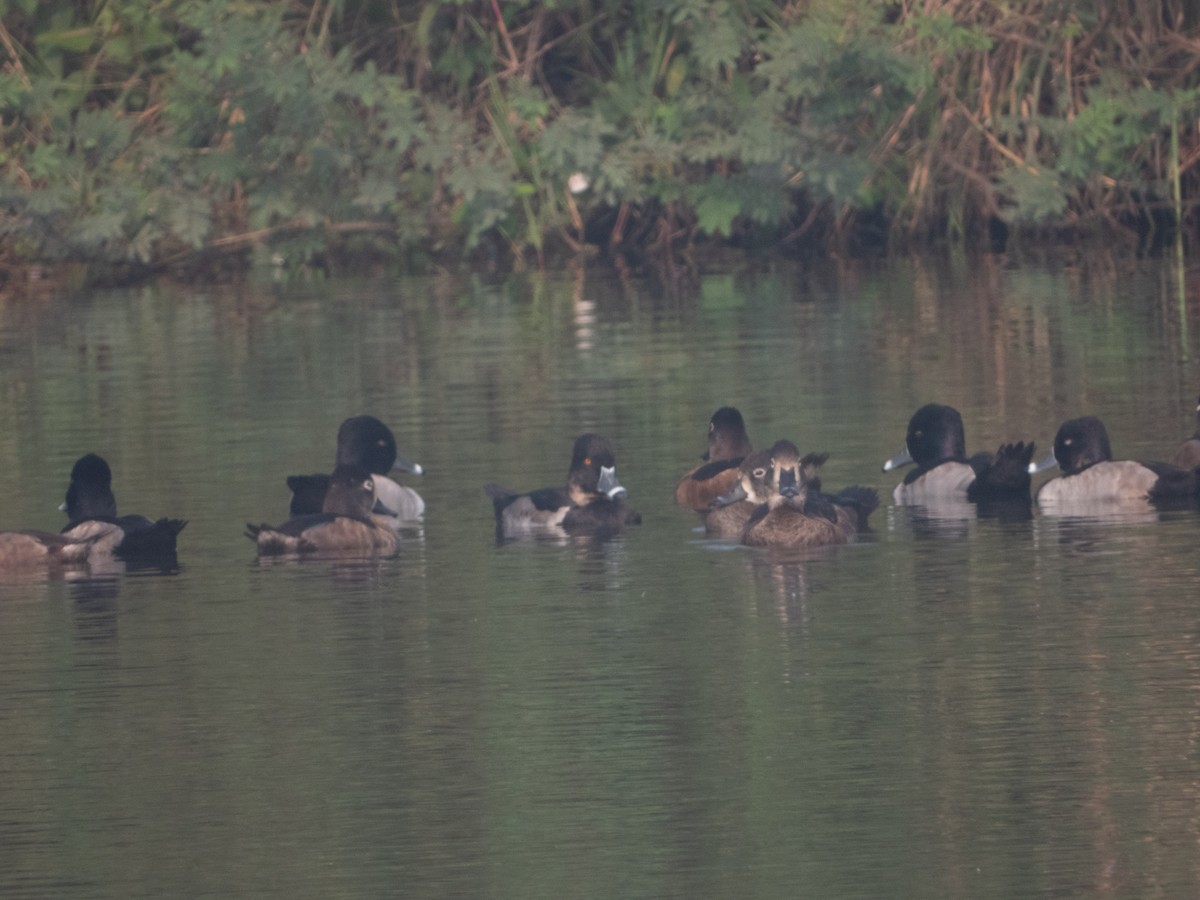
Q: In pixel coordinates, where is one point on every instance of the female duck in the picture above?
(790, 518)
(345, 525)
(591, 502)
(728, 445)
(364, 441)
(91, 511)
(729, 513)
(1091, 475)
(29, 549)
(936, 442)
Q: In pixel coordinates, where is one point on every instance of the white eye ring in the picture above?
(759, 473)
(368, 485)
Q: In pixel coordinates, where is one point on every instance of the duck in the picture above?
(91, 510)
(364, 441)
(1091, 476)
(347, 523)
(790, 518)
(936, 442)
(29, 549)
(728, 514)
(591, 502)
(728, 445)
(1188, 454)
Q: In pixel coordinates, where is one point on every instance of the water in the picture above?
(949, 707)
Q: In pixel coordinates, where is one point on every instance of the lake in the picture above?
(949, 707)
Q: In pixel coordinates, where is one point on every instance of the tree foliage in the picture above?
(137, 136)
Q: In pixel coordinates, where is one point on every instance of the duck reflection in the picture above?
(783, 573)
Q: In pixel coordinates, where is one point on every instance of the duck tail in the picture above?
(497, 491)
(863, 500)
(1004, 475)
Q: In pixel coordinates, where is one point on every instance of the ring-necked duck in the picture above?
(367, 442)
(91, 511)
(729, 513)
(346, 523)
(1188, 454)
(591, 502)
(1091, 475)
(937, 444)
(27, 549)
(791, 518)
(728, 445)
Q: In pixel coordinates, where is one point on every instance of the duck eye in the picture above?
(587, 461)
(759, 473)
(368, 485)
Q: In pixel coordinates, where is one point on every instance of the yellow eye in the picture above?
(587, 461)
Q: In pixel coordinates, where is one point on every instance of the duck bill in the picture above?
(903, 458)
(735, 495)
(1048, 462)
(789, 484)
(608, 485)
(404, 464)
(382, 509)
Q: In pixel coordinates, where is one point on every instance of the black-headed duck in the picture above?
(728, 445)
(790, 517)
(936, 442)
(91, 510)
(1092, 476)
(593, 501)
(345, 525)
(1188, 454)
(364, 441)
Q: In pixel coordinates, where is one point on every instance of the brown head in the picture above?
(791, 475)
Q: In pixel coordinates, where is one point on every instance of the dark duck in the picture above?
(936, 442)
(364, 441)
(1091, 476)
(591, 502)
(91, 510)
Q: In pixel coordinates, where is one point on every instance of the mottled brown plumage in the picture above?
(345, 525)
(25, 549)
(790, 516)
(729, 513)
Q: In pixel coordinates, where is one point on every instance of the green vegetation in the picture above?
(142, 136)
